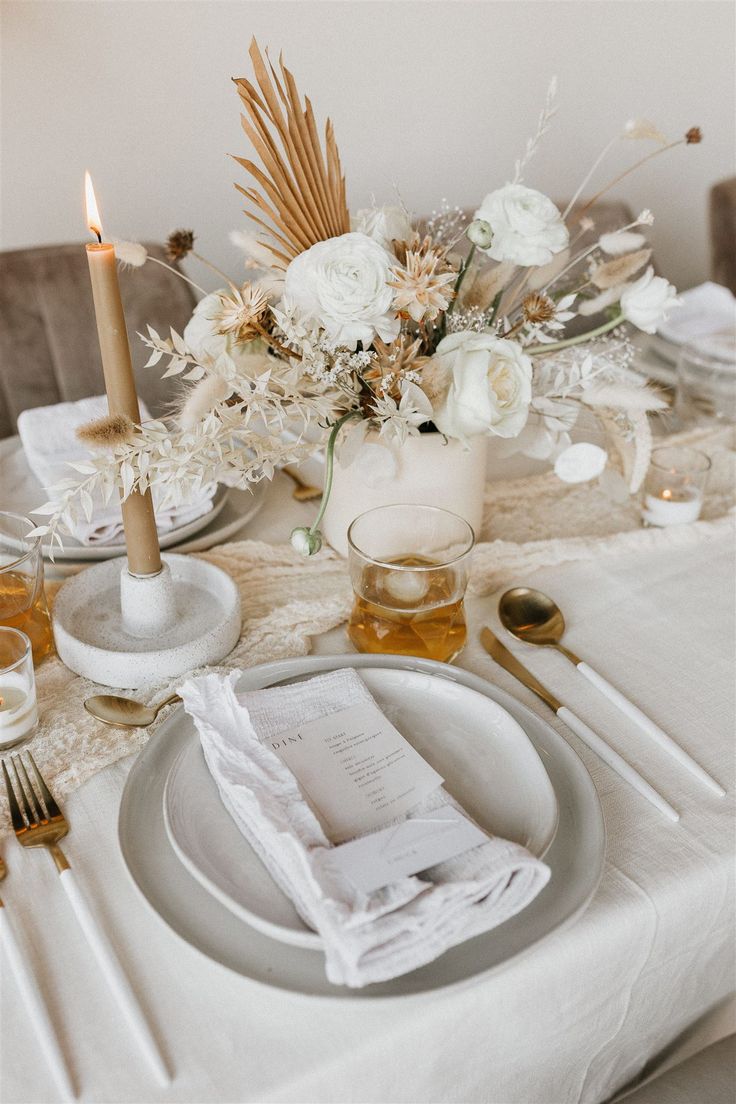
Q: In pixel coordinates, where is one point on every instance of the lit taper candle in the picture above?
(139, 522)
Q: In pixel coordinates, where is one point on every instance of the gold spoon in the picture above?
(533, 617)
(303, 491)
(125, 712)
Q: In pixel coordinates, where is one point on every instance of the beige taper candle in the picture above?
(139, 522)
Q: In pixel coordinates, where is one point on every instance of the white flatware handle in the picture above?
(114, 975)
(658, 735)
(592, 740)
(32, 996)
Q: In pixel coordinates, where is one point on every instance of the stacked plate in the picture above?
(231, 509)
(510, 770)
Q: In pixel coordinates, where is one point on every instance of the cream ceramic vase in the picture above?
(427, 470)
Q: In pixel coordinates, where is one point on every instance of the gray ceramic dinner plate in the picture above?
(575, 856)
(487, 761)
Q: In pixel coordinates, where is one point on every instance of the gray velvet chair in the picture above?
(48, 339)
(723, 233)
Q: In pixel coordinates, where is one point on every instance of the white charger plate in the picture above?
(575, 856)
(486, 759)
(22, 494)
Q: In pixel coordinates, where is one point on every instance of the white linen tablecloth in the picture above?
(573, 1020)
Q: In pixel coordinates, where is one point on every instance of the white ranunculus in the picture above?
(383, 224)
(490, 386)
(648, 301)
(341, 284)
(527, 227)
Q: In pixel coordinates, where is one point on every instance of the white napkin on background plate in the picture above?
(367, 937)
(47, 434)
(704, 310)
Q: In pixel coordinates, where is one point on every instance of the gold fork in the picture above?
(39, 822)
(32, 995)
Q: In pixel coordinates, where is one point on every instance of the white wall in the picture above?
(438, 97)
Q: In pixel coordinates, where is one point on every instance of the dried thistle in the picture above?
(423, 286)
(107, 432)
(620, 269)
(179, 244)
(693, 136)
(537, 307)
(241, 311)
(390, 364)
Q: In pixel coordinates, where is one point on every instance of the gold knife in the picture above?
(591, 739)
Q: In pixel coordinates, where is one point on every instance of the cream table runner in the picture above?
(286, 600)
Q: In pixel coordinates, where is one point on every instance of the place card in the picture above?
(355, 769)
(380, 858)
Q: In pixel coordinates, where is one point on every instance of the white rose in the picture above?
(490, 386)
(527, 227)
(383, 224)
(201, 336)
(341, 284)
(648, 301)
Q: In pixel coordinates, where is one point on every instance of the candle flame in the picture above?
(667, 494)
(93, 215)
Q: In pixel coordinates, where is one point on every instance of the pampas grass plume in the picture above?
(131, 253)
(107, 432)
(201, 399)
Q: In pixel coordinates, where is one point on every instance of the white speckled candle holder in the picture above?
(131, 631)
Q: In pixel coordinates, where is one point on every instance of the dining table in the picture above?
(646, 973)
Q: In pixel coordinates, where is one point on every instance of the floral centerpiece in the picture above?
(382, 327)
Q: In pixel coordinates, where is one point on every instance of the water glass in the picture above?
(675, 486)
(706, 379)
(22, 597)
(409, 570)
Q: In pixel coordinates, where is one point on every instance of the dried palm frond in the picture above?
(302, 190)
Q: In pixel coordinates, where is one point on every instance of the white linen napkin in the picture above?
(704, 310)
(367, 937)
(47, 434)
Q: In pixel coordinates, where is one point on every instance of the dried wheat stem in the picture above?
(626, 172)
(176, 273)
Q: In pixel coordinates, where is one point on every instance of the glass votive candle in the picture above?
(675, 486)
(18, 709)
(409, 569)
(706, 379)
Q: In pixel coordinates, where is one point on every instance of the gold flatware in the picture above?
(39, 822)
(303, 491)
(591, 739)
(33, 999)
(533, 617)
(112, 709)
